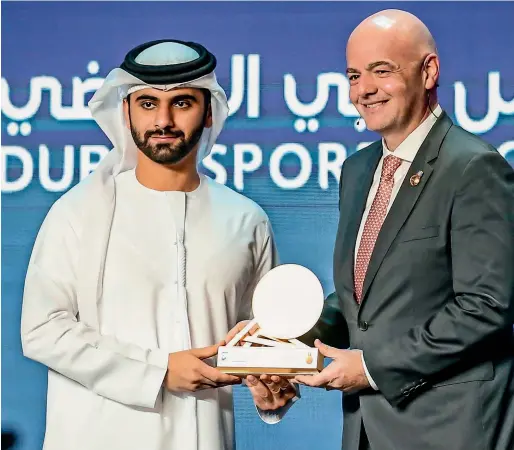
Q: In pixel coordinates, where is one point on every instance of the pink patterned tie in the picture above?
(374, 221)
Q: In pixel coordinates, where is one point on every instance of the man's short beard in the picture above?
(169, 153)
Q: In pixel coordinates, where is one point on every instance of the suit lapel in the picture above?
(352, 210)
(406, 198)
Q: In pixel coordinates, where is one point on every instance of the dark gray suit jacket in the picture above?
(435, 322)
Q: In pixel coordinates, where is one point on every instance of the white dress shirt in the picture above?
(406, 151)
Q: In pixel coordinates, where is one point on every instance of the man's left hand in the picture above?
(345, 372)
(270, 392)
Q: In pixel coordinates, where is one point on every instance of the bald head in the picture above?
(393, 69)
(399, 27)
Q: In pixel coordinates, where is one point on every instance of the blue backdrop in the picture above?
(290, 129)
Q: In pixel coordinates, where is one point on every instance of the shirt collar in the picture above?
(409, 147)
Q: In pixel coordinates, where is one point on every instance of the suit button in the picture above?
(363, 325)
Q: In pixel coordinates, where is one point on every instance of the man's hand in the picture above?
(188, 373)
(270, 392)
(345, 372)
(238, 328)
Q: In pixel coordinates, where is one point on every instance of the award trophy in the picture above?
(286, 304)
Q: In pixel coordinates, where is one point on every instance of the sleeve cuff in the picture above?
(274, 417)
(368, 376)
(156, 371)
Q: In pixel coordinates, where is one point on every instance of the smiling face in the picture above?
(390, 74)
(167, 126)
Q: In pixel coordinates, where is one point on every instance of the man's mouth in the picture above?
(165, 137)
(374, 105)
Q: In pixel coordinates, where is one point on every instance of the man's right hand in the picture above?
(232, 333)
(188, 373)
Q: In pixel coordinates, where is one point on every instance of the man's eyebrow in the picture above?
(374, 64)
(182, 97)
(381, 63)
(146, 97)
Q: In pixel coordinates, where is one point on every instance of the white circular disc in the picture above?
(287, 301)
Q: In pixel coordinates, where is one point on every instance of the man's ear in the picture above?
(431, 68)
(208, 118)
(126, 111)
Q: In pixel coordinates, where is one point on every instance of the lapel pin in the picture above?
(416, 178)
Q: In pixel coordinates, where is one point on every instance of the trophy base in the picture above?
(286, 362)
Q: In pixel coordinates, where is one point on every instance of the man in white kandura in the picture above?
(143, 266)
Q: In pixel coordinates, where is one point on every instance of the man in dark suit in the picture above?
(423, 263)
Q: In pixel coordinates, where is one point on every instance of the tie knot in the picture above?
(391, 164)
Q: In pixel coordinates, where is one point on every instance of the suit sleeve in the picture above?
(331, 328)
(482, 255)
(52, 333)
